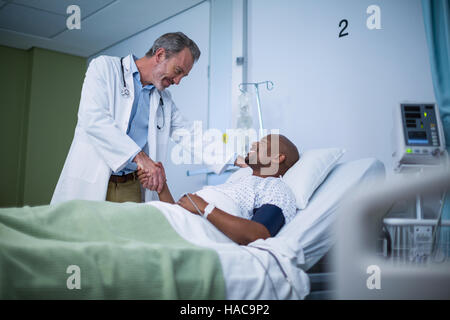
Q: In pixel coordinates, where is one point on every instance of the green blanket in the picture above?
(101, 250)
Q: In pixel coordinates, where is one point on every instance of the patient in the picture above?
(257, 205)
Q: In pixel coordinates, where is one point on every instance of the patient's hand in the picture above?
(199, 202)
(240, 162)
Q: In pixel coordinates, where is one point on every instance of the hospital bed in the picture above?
(282, 267)
(293, 264)
(312, 229)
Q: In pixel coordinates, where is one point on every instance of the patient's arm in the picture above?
(238, 229)
(165, 194)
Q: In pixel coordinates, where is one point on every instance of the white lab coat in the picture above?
(100, 145)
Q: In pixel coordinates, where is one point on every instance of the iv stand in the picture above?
(269, 86)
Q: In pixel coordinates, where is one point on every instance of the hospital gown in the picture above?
(252, 192)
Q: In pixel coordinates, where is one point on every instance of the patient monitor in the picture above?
(418, 136)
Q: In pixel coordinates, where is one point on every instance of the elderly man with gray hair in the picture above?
(125, 119)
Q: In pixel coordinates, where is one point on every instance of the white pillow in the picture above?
(309, 172)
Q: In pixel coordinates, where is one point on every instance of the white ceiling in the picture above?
(42, 23)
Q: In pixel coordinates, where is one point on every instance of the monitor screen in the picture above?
(420, 125)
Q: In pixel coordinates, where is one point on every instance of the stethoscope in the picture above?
(126, 93)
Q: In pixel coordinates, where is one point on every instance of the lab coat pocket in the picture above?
(85, 163)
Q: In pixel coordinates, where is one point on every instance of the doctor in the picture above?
(125, 119)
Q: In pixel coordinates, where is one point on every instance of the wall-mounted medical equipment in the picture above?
(418, 241)
(418, 136)
(419, 144)
(365, 274)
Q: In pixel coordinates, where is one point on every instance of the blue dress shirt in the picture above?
(138, 124)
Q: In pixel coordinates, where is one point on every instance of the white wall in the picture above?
(332, 91)
(191, 96)
(329, 91)
(221, 64)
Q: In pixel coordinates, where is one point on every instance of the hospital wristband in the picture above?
(209, 208)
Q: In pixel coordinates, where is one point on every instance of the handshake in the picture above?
(151, 174)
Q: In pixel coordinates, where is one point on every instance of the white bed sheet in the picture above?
(244, 268)
(251, 273)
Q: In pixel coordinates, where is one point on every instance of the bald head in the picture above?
(272, 156)
(286, 149)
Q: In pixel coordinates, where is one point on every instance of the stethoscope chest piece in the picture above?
(125, 92)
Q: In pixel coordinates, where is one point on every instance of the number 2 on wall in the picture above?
(345, 22)
(373, 21)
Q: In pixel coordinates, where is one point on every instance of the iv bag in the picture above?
(244, 123)
(244, 119)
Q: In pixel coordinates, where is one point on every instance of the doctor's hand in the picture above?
(151, 174)
(151, 180)
(145, 178)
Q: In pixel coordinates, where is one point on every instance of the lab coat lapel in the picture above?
(130, 86)
(152, 134)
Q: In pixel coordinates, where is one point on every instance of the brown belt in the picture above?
(124, 178)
